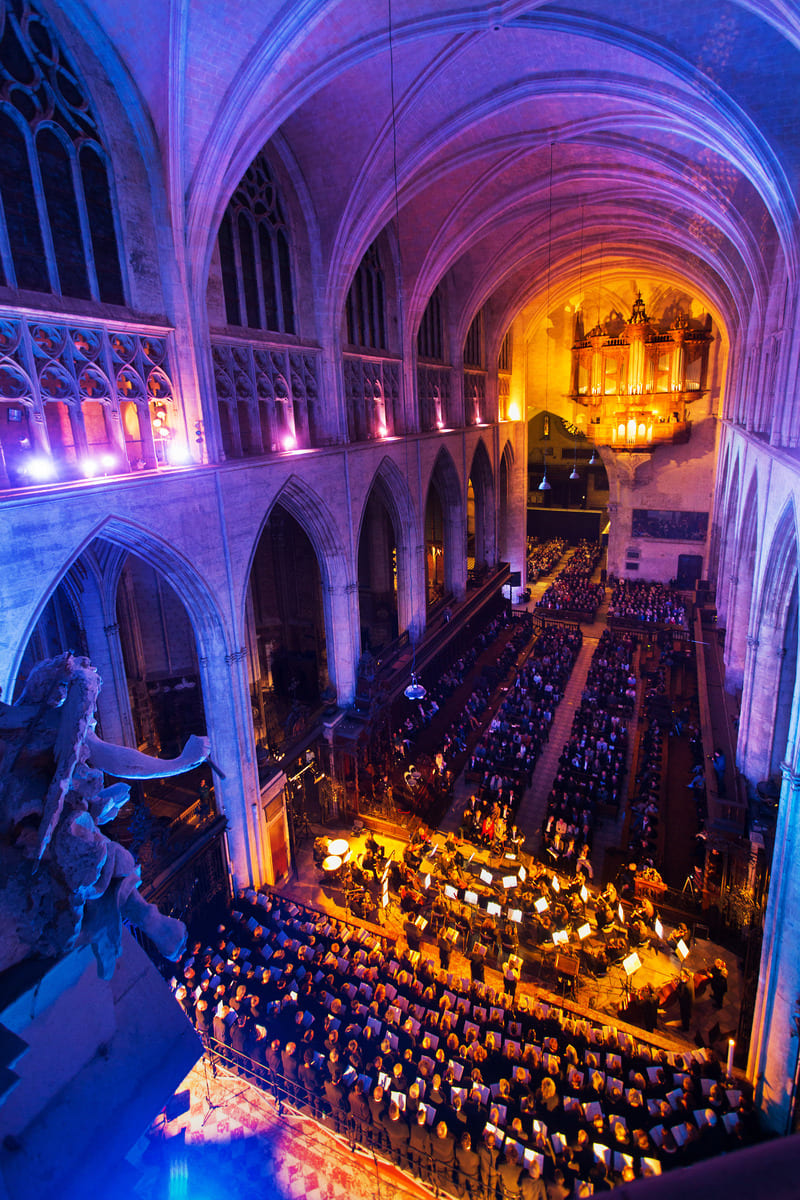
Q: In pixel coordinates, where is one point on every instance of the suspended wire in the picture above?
(415, 690)
(544, 486)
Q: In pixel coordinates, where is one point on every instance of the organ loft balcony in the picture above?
(634, 380)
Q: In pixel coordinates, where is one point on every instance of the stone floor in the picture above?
(232, 1144)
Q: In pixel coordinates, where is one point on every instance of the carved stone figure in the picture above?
(63, 883)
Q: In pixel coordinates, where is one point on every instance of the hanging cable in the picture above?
(544, 486)
(415, 690)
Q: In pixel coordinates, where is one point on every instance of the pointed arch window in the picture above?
(473, 345)
(504, 357)
(366, 304)
(430, 338)
(57, 230)
(255, 255)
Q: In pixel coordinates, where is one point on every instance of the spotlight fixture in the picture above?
(41, 468)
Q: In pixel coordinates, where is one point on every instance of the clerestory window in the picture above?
(57, 229)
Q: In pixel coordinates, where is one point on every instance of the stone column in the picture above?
(759, 701)
(226, 695)
(418, 614)
(455, 554)
(98, 610)
(736, 640)
(775, 1037)
(114, 701)
(726, 592)
(343, 633)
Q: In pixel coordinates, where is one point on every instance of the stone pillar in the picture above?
(114, 701)
(775, 1037)
(455, 553)
(98, 610)
(343, 634)
(226, 695)
(759, 701)
(418, 615)
(726, 591)
(738, 616)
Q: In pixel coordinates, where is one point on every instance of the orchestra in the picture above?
(493, 903)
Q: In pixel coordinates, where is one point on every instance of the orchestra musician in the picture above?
(603, 914)
(369, 863)
(374, 847)
(412, 856)
(499, 837)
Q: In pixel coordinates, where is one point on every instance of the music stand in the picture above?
(567, 969)
(630, 965)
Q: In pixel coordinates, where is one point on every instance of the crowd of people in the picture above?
(573, 592)
(611, 682)
(591, 768)
(469, 720)
(645, 603)
(480, 1094)
(543, 557)
(502, 762)
(440, 686)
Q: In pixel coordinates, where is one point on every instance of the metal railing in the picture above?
(368, 1137)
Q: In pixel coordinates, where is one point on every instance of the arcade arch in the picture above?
(445, 530)
(286, 630)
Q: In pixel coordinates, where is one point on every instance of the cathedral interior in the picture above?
(277, 417)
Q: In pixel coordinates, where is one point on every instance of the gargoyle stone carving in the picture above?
(63, 883)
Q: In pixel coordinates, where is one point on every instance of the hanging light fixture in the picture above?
(415, 690)
(593, 459)
(544, 486)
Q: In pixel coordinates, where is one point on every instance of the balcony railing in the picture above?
(475, 397)
(372, 396)
(435, 397)
(268, 397)
(82, 398)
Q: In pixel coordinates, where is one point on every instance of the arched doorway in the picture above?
(504, 507)
(287, 645)
(470, 525)
(377, 575)
(159, 651)
(445, 532)
(481, 540)
(434, 548)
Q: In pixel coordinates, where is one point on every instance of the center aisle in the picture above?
(534, 802)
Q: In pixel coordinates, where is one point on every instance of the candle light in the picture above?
(731, 1047)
